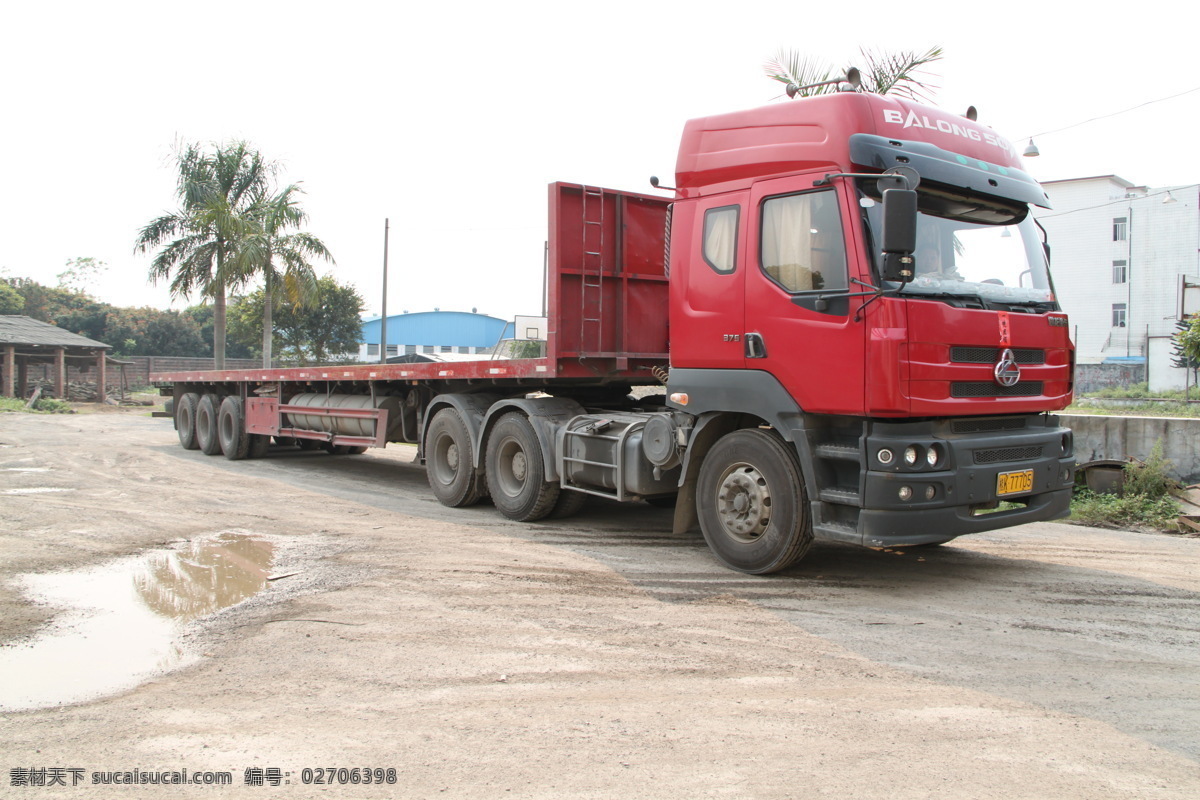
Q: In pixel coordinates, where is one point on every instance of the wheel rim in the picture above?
(446, 463)
(514, 467)
(743, 502)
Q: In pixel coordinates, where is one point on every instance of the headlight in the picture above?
(910, 456)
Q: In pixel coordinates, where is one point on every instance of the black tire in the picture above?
(449, 461)
(231, 429)
(355, 449)
(309, 444)
(752, 504)
(185, 420)
(516, 471)
(208, 412)
(569, 504)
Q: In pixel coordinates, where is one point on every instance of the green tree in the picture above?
(328, 328)
(199, 241)
(152, 332)
(884, 73)
(282, 259)
(70, 310)
(81, 274)
(11, 301)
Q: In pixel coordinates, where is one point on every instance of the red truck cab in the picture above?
(916, 407)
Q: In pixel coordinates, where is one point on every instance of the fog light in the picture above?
(910, 456)
(885, 456)
(905, 493)
(1066, 475)
(930, 492)
(931, 456)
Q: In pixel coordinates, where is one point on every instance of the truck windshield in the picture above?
(971, 247)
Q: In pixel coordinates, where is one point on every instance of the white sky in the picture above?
(452, 120)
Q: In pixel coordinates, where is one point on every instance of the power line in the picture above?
(1124, 201)
(1113, 114)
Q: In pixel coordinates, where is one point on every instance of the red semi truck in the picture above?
(847, 306)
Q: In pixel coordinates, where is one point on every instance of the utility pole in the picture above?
(383, 313)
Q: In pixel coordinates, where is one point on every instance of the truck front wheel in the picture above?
(752, 505)
(449, 461)
(516, 471)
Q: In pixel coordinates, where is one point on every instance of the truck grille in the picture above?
(989, 389)
(988, 425)
(990, 355)
(994, 456)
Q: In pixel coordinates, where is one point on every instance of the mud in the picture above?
(596, 657)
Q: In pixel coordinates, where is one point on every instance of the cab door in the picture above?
(800, 324)
(708, 257)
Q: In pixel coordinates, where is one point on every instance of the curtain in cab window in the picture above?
(802, 244)
(720, 238)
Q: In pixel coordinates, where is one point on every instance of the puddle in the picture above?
(125, 619)
(37, 490)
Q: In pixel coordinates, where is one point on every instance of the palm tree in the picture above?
(885, 73)
(200, 239)
(266, 248)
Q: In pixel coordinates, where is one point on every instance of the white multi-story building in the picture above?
(1126, 265)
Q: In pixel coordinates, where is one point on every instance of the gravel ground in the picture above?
(597, 657)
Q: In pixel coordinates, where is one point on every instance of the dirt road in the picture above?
(599, 657)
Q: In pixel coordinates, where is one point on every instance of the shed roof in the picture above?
(20, 330)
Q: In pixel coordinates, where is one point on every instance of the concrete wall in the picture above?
(1098, 437)
(1094, 377)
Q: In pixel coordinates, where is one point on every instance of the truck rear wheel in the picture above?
(185, 420)
(516, 471)
(450, 462)
(231, 429)
(208, 411)
(752, 505)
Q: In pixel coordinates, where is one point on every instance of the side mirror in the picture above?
(899, 234)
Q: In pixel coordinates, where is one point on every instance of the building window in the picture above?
(393, 349)
(373, 349)
(1118, 315)
(447, 348)
(410, 349)
(1119, 271)
(427, 348)
(1120, 229)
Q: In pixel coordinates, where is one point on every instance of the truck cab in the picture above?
(916, 407)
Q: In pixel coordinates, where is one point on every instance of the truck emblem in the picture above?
(1007, 372)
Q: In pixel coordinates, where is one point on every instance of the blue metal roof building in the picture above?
(434, 332)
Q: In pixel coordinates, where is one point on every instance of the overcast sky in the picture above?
(451, 121)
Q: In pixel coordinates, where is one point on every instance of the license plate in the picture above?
(1014, 482)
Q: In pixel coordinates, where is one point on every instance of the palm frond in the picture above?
(790, 66)
(897, 73)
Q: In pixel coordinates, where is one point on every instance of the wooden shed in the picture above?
(25, 341)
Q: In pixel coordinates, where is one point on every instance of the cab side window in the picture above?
(802, 247)
(720, 238)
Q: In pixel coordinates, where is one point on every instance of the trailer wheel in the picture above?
(449, 461)
(231, 429)
(185, 420)
(208, 410)
(752, 504)
(516, 471)
(308, 444)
